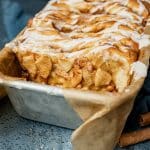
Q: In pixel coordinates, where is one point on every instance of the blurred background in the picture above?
(17, 133)
(14, 15)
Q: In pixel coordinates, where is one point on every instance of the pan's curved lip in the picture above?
(28, 85)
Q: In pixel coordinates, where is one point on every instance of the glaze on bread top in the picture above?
(85, 44)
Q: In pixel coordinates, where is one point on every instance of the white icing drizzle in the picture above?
(139, 69)
(117, 57)
(144, 41)
(123, 12)
(34, 35)
(141, 8)
(138, 10)
(99, 49)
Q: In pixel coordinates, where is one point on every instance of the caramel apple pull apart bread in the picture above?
(85, 44)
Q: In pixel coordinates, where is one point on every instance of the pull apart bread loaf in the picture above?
(85, 44)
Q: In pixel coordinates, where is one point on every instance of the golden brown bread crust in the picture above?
(84, 44)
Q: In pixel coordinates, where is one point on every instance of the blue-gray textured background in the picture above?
(17, 133)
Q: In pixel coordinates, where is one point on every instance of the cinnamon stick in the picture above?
(144, 119)
(134, 137)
